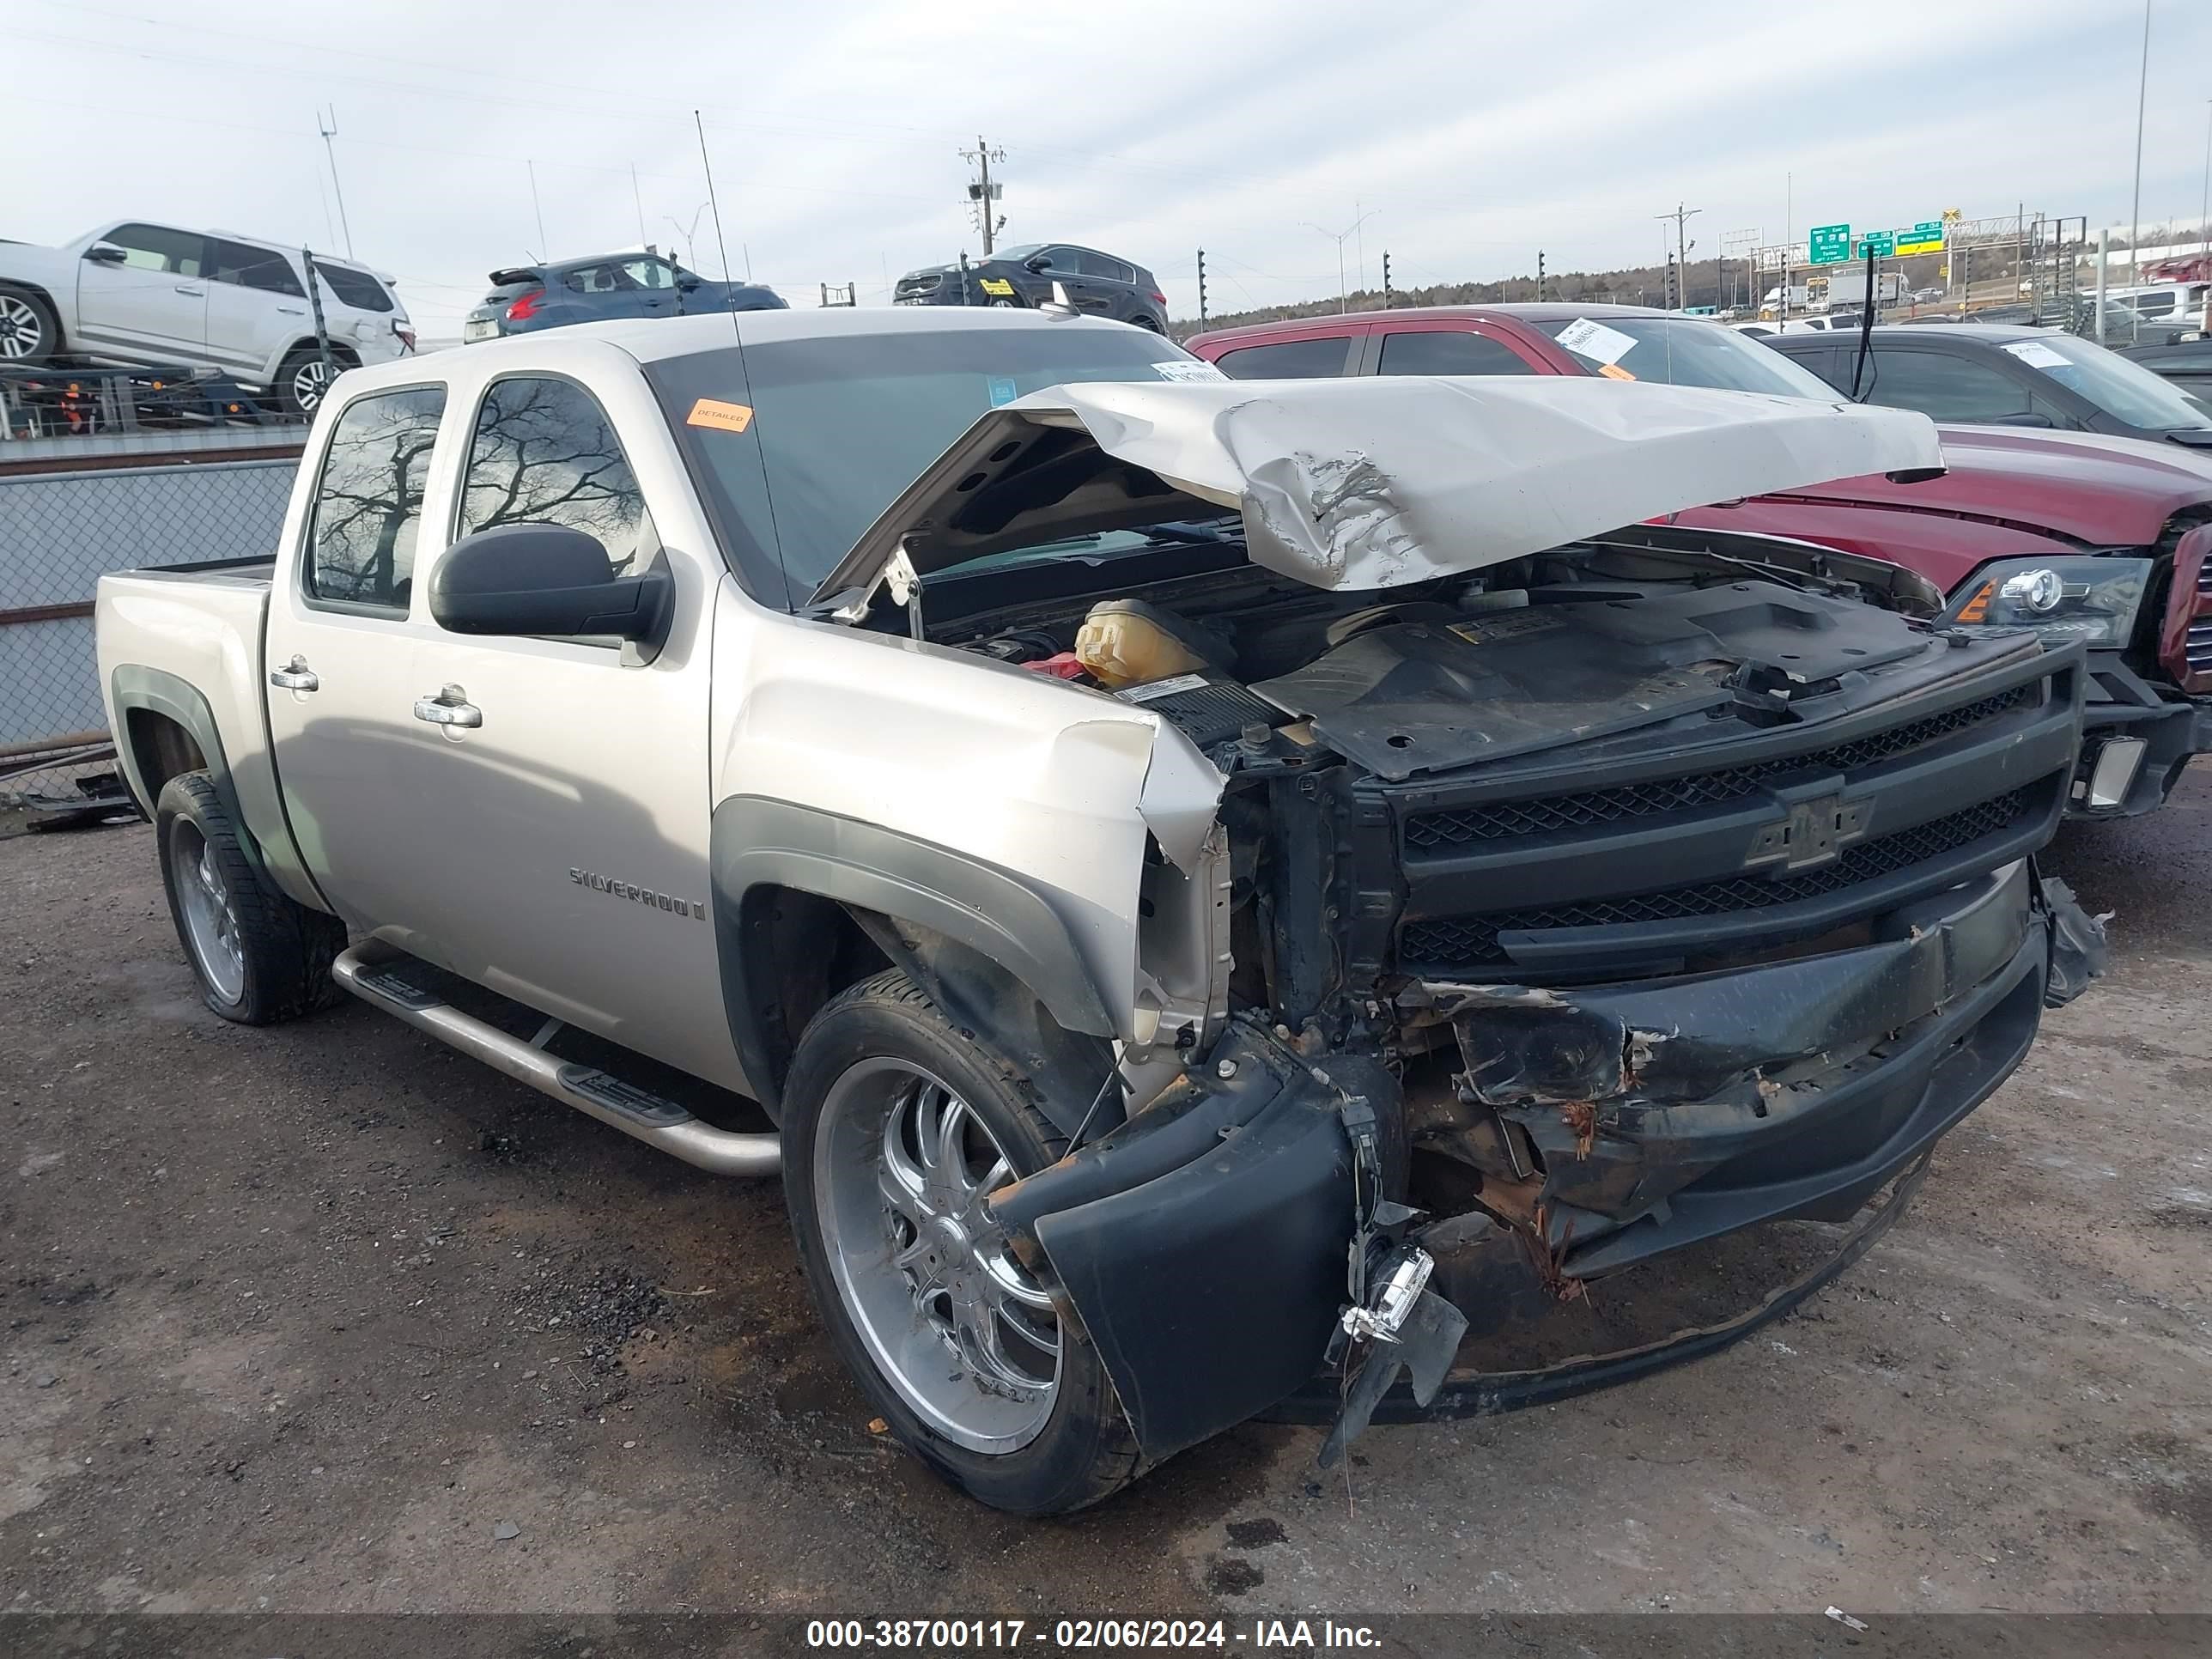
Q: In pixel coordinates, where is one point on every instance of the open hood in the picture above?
(1370, 483)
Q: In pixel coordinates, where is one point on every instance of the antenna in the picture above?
(744, 373)
(328, 126)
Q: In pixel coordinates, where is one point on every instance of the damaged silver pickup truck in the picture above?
(1217, 898)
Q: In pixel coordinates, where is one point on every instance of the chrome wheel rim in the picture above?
(309, 381)
(22, 334)
(211, 919)
(963, 1332)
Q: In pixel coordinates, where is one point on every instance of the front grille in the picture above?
(1472, 941)
(1498, 820)
(2196, 645)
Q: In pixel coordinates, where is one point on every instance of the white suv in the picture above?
(133, 292)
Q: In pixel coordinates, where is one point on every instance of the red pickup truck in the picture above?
(2107, 540)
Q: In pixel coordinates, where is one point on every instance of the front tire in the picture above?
(29, 332)
(260, 957)
(895, 1127)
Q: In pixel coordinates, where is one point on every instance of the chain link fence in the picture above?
(69, 514)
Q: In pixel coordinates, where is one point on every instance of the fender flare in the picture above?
(758, 842)
(133, 686)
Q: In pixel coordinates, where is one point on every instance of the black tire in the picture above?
(1007, 305)
(29, 332)
(284, 950)
(1084, 1452)
(301, 383)
(1143, 320)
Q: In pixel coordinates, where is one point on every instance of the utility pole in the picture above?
(638, 202)
(984, 195)
(329, 129)
(1201, 288)
(1540, 276)
(2204, 213)
(2134, 211)
(1681, 216)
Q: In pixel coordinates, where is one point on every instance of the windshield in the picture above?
(1683, 353)
(2124, 390)
(842, 424)
(1018, 252)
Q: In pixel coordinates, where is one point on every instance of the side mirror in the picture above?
(547, 580)
(688, 283)
(104, 254)
(2026, 418)
(1037, 262)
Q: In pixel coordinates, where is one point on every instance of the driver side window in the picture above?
(544, 453)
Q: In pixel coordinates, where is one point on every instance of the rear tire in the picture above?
(892, 1289)
(304, 380)
(29, 332)
(260, 957)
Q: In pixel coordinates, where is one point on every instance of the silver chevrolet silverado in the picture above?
(1218, 898)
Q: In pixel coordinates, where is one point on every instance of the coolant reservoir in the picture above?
(1128, 642)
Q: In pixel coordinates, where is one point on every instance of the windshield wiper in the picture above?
(2197, 437)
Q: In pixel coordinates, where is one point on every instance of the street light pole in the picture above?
(2204, 213)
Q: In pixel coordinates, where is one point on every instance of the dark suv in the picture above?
(1023, 275)
(602, 288)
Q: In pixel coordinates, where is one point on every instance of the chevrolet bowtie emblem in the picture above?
(1815, 833)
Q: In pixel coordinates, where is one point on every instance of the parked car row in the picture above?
(2090, 534)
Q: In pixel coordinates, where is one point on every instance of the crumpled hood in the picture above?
(1370, 483)
(2100, 491)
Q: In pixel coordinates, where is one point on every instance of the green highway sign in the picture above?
(1828, 244)
(1880, 243)
(1926, 237)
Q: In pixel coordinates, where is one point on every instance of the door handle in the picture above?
(295, 676)
(194, 292)
(291, 311)
(451, 707)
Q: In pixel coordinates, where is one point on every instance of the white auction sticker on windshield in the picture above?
(1193, 370)
(1594, 341)
(2036, 355)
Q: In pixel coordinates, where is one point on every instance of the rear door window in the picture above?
(255, 267)
(369, 501)
(354, 288)
(1322, 358)
(544, 451)
(1100, 264)
(1448, 351)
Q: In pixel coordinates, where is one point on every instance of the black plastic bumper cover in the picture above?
(1210, 1289)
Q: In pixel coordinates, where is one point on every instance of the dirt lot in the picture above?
(327, 1318)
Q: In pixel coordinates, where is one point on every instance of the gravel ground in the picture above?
(327, 1318)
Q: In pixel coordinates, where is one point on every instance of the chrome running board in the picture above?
(369, 970)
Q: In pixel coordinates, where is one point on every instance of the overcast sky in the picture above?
(1472, 131)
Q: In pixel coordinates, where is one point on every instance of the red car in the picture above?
(2103, 539)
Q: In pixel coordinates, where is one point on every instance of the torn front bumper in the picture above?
(1203, 1244)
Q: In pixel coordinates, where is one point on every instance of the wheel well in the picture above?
(41, 295)
(797, 950)
(343, 354)
(161, 748)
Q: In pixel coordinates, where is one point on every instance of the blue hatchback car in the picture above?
(598, 289)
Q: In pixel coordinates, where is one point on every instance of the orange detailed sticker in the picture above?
(1614, 372)
(1977, 609)
(730, 418)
